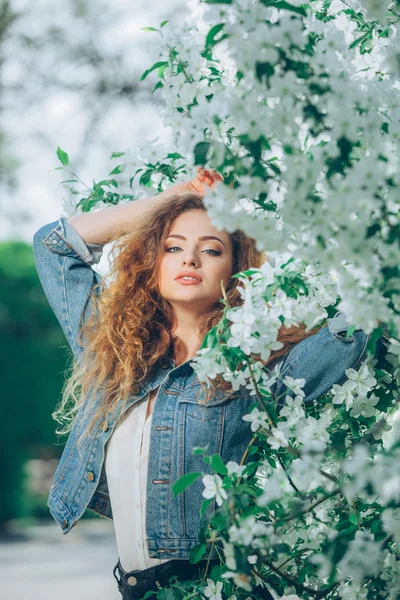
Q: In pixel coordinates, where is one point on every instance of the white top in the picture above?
(126, 471)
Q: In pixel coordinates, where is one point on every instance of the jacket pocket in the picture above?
(199, 408)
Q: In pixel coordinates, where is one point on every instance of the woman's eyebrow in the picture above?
(204, 237)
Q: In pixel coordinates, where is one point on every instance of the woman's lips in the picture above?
(188, 281)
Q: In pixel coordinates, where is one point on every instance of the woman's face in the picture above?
(186, 249)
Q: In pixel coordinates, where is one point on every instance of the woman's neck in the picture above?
(185, 349)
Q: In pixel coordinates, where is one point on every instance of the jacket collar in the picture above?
(166, 367)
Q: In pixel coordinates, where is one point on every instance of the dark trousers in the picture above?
(133, 585)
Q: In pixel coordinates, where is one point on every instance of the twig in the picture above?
(293, 582)
(299, 553)
(259, 397)
(312, 506)
(353, 504)
(225, 297)
(253, 439)
(208, 560)
(290, 480)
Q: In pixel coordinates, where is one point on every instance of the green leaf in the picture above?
(184, 482)
(200, 153)
(281, 4)
(145, 178)
(63, 156)
(197, 552)
(158, 85)
(166, 594)
(357, 42)
(211, 40)
(353, 518)
(338, 440)
(69, 181)
(271, 462)
(376, 526)
(264, 69)
(350, 331)
(210, 338)
(148, 594)
(117, 154)
(163, 24)
(161, 70)
(199, 450)
(374, 337)
(218, 464)
(149, 29)
(204, 505)
(174, 155)
(108, 182)
(385, 127)
(156, 65)
(252, 450)
(117, 170)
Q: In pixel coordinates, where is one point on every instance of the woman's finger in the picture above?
(215, 174)
(212, 173)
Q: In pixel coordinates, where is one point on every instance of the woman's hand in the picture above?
(205, 179)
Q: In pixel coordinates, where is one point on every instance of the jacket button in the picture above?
(64, 524)
(54, 241)
(104, 425)
(89, 476)
(132, 580)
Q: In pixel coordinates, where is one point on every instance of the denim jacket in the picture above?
(179, 421)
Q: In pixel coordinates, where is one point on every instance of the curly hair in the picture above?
(129, 331)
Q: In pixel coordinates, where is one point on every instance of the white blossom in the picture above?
(257, 419)
(234, 467)
(213, 589)
(229, 555)
(361, 558)
(364, 405)
(300, 113)
(213, 487)
(295, 385)
(240, 579)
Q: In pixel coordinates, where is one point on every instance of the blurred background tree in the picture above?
(8, 164)
(70, 76)
(33, 362)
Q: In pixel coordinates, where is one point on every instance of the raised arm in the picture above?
(63, 262)
(64, 251)
(101, 227)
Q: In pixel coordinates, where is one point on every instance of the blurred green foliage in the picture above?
(33, 358)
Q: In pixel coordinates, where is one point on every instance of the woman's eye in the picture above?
(215, 252)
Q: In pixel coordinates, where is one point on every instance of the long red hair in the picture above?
(128, 332)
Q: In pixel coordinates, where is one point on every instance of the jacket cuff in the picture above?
(63, 238)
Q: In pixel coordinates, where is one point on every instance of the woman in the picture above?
(133, 405)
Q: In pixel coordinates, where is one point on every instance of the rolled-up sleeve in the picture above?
(63, 238)
(64, 266)
(322, 360)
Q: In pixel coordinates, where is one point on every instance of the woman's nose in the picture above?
(190, 261)
(189, 256)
